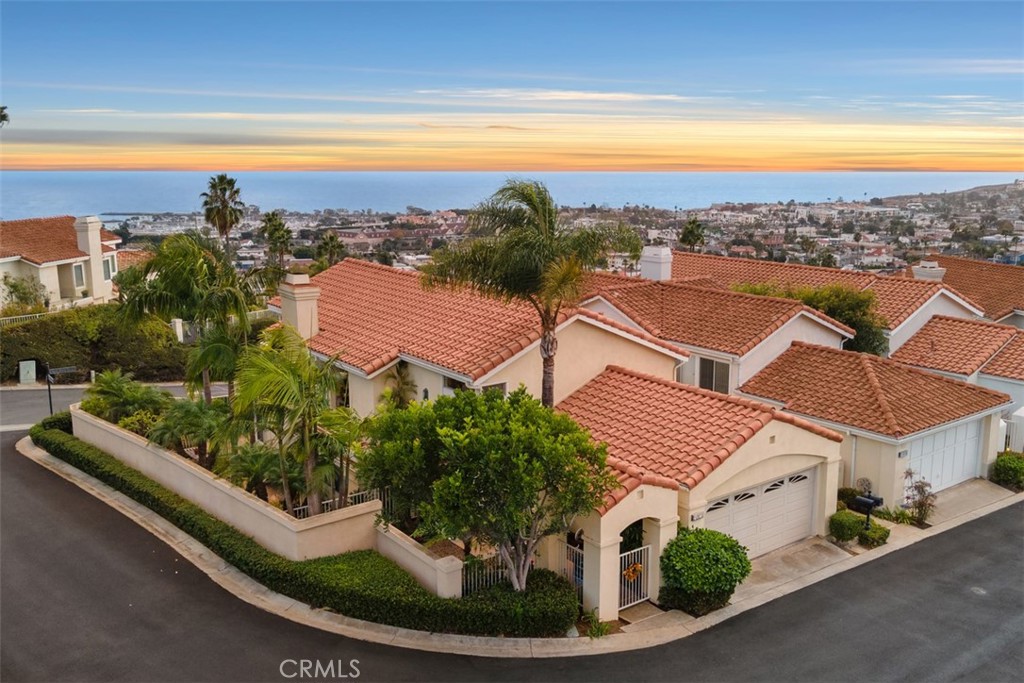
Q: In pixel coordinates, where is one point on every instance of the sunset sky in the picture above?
(513, 87)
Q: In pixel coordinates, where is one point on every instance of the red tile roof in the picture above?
(1009, 362)
(897, 300)
(867, 392)
(370, 313)
(996, 287)
(126, 258)
(670, 432)
(955, 345)
(40, 240)
(709, 318)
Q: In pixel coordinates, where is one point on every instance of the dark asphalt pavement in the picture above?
(87, 595)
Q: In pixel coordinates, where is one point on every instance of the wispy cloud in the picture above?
(547, 95)
(947, 66)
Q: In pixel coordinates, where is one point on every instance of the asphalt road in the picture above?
(87, 595)
(28, 406)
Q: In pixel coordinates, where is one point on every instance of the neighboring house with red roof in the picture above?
(896, 417)
(998, 288)
(987, 354)
(703, 459)
(906, 304)
(74, 259)
(730, 336)
(371, 317)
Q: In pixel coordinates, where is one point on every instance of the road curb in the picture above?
(248, 590)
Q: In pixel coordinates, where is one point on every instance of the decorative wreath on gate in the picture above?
(633, 572)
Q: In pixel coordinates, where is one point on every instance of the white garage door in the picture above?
(768, 516)
(948, 457)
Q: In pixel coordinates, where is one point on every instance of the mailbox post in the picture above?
(866, 504)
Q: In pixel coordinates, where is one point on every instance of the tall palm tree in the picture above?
(216, 353)
(190, 278)
(330, 248)
(400, 387)
(692, 235)
(279, 378)
(191, 424)
(222, 206)
(522, 251)
(4, 118)
(277, 236)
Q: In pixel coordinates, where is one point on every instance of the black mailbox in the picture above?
(865, 504)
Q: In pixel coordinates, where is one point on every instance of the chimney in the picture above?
(299, 304)
(929, 270)
(87, 232)
(656, 263)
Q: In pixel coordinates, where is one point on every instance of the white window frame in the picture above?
(78, 275)
(108, 273)
(719, 375)
(500, 386)
(450, 385)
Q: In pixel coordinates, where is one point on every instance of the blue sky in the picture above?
(412, 85)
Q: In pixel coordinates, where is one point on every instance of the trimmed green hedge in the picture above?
(1008, 470)
(700, 569)
(875, 536)
(845, 525)
(60, 421)
(93, 338)
(361, 584)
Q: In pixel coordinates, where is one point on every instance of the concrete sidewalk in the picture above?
(776, 574)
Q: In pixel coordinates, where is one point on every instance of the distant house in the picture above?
(905, 304)
(74, 259)
(997, 288)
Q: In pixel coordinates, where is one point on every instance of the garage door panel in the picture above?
(768, 516)
(948, 457)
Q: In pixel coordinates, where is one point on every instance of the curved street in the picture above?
(89, 596)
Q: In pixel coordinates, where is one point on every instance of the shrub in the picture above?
(120, 396)
(875, 536)
(139, 422)
(93, 338)
(60, 421)
(921, 498)
(1008, 470)
(894, 514)
(847, 494)
(700, 569)
(845, 525)
(361, 584)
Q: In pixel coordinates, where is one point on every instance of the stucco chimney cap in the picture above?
(297, 279)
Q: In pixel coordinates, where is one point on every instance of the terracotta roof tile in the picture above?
(709, 318)
(955, 345)
(667, 430)
(867, 392)
(897, 298)
(996, 287)
(126, 258)
(370, 313)
(40, 240)
(1009, 362)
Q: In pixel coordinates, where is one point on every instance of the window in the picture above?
(108, 269)
(496, 387)
(450, 386)
(79, 271)
(714, 375)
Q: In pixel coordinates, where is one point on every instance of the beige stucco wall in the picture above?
(800, 328)
(584, 351)
(364, 393)
(50, 278)
(778, 449)
(941, 305)
(439, 575)
(340, 531)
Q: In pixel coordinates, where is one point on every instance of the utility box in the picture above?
(27, 372)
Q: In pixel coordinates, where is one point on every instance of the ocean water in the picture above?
(26, 194)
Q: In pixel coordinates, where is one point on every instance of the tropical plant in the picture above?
(214, 357)
(22, 295)
(278, 378)
(4, 117)
(115, 395)
(400, 387)
(222, 206)
(252, 466)
(522, 251)
(129, 280)
(692, 235)
(189, 424)
(330, 249)
(277, 236)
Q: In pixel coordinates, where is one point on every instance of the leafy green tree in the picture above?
(23, 295)
(855, 308)
(278, 378)
(522, 251)
(692, 235)
(222, 206)
(505, 471)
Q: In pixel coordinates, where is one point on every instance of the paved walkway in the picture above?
(779, 574)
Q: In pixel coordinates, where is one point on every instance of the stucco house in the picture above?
(75, 259)
(987, 354)
(894, 417)
(730, 336)
(997, 288)
(906, 304)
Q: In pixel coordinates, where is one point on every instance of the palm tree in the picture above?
(252, 466)
(191, 424)
(116, 395)
(277, 236)
(190, 278)
(214, 358)
(222, 206)
(523, 252)
(330, 248)
(693, 234)
(4, 118)
(280, 379)
(400, 387)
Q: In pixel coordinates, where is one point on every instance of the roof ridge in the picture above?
(994, 355)
(795, 266)
(883, 402)
(38, 218)
(973, 321)
(730, 398)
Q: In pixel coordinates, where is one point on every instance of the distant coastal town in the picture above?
(881, 233)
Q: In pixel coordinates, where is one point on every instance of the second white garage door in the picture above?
(768, 516)
(948, 457)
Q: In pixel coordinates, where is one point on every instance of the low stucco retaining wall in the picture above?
(440, 575)
(332, 533)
